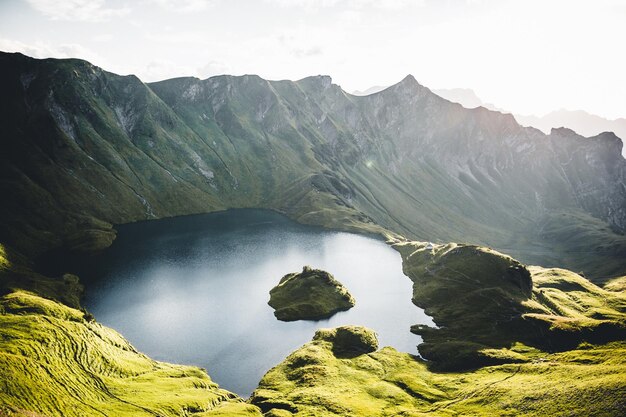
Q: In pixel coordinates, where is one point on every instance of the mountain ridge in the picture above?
(402, 161)
(583, 122)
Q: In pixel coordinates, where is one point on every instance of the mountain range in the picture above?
(582, 122)
(585, 123)
(85, 149)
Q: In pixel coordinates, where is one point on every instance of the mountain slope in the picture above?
(312, 381)
(422, 166)
(85, 149)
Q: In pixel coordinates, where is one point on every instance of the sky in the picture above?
(526, 56)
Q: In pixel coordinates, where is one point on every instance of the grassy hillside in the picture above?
(55, 360)
(313, 381)
(484, 300)
(512, 340)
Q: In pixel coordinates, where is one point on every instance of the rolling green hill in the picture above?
(484, 358)
(485, 302)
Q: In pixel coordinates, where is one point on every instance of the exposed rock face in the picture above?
(312, 294)
(83, 148)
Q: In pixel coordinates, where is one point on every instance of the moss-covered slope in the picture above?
(482, 299)
(513, 340)
(537, 341)
(54, 361)
(316, 381)
(312, 294)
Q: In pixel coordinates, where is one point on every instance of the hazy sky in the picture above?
(527, 56)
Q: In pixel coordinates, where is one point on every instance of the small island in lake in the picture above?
(312, 294)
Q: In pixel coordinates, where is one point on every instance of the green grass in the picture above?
(313, 381)
(16, 274)
(485, 359)
(54, 361)
(617, 284)
(484, 300)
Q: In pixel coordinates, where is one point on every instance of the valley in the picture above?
(96, 167)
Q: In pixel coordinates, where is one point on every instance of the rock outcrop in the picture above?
(312, 294)
(349, 340)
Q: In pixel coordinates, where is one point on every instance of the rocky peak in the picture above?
(316, 83)
(563, 132)
(611, 140)
(408, 83)
(324, 81)
(409, 89)
(409, 80)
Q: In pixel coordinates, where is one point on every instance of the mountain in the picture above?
(466, 97)
(368, 91)
(84, 149)
(582, 122)
(585, 123)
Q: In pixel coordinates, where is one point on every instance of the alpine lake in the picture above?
(194, 290)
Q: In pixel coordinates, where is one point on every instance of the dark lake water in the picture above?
(194, 290)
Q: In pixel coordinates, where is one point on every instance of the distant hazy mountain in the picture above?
(581, 122)
(83, 148)
(369, 91)
(466, 97)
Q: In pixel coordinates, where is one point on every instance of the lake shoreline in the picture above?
(235, 231)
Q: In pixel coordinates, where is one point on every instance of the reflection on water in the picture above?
(194, 290)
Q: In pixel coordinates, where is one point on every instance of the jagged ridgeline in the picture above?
(83, 148)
